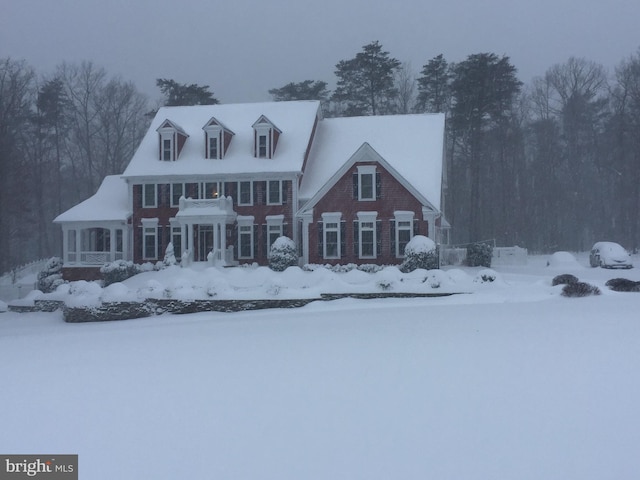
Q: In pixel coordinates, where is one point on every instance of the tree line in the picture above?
(553, 165)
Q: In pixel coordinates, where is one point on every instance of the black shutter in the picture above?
(343, 238)
(285, 191)
(255, 241)
(356, 237)
(285, 230)
(263, 187)
(378, 185)
(416, 227)
(392, 233)
(355, 186)
(320, 240)
(378, 238)
(255, 193)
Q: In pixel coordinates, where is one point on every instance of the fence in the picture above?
(16, 283)
(456, 255)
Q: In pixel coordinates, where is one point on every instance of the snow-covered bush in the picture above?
(169, 256)
(479, 255)
(486, 276)
(564, 279)
(283, 254)
(50, 277)
(420, 252)
(623, 285)
(118, 271)
(579, 289)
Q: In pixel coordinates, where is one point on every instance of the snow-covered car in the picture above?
(609, 255)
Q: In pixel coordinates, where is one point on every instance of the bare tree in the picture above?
(405, 82)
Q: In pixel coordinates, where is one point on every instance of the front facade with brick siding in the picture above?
(220, 183)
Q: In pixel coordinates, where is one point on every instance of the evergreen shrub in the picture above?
(118, 271)
(50, 277)
(564, 279)
(283, 254)
(479, 255)
(579, 289)
(420, 252)
(623, 285)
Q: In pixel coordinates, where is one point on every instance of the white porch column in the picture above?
(222, 230)
(306, 221)
(112, 244)
(78, 245)
(430, 217)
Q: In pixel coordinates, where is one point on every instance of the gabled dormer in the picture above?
(171, 140)
(217, 139)
(265, 138)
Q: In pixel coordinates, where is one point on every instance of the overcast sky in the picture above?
(242, 48)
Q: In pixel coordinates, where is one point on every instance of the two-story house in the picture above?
(222, 182)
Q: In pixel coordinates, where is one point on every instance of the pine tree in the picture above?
(434, 86)
(306, 90)
(182, 94)
(366, 82)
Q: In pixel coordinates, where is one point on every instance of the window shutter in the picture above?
(355, 186)
(285, 230)
(378, 238)
(230, 190)
(416, 227)
(255, 193)
(392, 233)
(378, 185)
(356, 237)
(255, 241)
(320, 240)
(285, 191)
(263, 187)
(343, 238)
(234, 241)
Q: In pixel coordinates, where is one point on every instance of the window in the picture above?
(213, 147)
(262, 146)
(167, 149)
(367, 234)
(245, 193)
(274, 229)
(177, 191)
(331, 235)
(403, 233)
(119, 244)
(209, 190)
(149, 243)
(71, 245)
(176, 239)
(245, 240)
(365, 183)
(149, 197)
(274, 192)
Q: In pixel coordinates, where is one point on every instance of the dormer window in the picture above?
(217, 139)
(266, 136)
(172, 139)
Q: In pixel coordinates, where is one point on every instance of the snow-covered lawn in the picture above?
(512, 381)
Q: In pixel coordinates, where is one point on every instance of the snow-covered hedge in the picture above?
(283, 254)
(420, 252)
(118, 271)
(479, 255)
(50, 277)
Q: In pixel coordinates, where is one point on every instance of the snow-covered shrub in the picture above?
(564, 279)
(420, 252)
(50, 277)
(118, 271)
(486, 276)
(579, 289)
(169, 256)
(479, 255)
(623, 285)
(283, 254)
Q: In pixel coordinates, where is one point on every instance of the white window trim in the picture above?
(276, 222)
(202, 190)
(245, 221)
(367, 170)
(167, 136)
(144, 195)
(250, 182)
(264, 131)
(368, 217)
(331, 217)
(149, 224)
(279, 202)
(402, 216)
(171, 193)
(214, 132)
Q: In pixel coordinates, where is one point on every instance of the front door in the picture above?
(205, 242)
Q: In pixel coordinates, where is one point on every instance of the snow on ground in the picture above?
(510, 381)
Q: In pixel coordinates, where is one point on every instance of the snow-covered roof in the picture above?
(109, 203)
(411, 144)
(294, 119)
